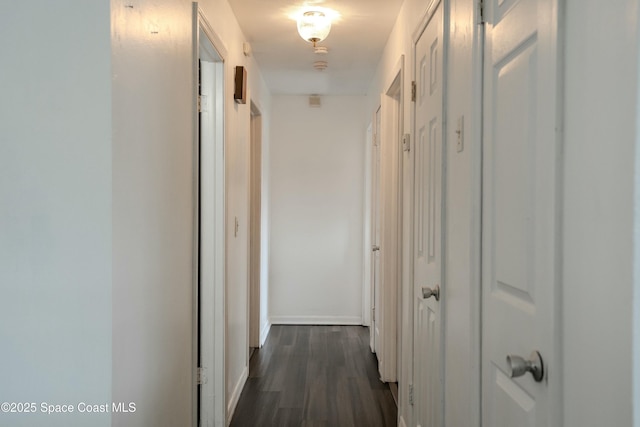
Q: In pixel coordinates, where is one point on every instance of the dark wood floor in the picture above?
(315, 376)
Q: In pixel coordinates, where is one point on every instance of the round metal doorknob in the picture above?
(428, 292)
(518, 366)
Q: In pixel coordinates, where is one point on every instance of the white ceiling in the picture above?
(355, 44)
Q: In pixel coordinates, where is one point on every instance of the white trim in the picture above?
(264, 334)
(366, 229)
(195, 55)
(215, 40)
(200, 23)
(392, 127)
(401, 422)
(235, 396)
(255, 107)
(426, 17)
(475, 237)
(635, 315)
(254, 201)
(376, 229)
(316, 320)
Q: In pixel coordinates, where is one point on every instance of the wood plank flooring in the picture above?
(315, 376)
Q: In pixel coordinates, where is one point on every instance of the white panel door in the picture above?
(519, 228)
(428, 186)
(375, 235)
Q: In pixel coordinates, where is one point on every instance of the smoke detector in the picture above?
(320, 65)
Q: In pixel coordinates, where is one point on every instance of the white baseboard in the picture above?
(316, 320)
(237, 391)
(264, 333)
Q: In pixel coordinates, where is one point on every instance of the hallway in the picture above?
(182, 181)
(315, 376)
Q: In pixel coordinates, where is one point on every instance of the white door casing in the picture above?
(391, 224)
(367, 260)
(255, 229)
(520, 226)
(375, 233)
(210, 234)
(405, 296)
(207, 245)
(428, 223)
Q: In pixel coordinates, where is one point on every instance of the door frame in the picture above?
(367, 260)
(375, 221)
(405, 375)
(476, 148)
(214, 47)
(255, 226)
(392, 129)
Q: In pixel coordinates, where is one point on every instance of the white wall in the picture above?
(96, 230)
(55, 208)
(463, 220)
(153, 202)
(316, 166)
(601, 90)
(237, 135)
(153, 207)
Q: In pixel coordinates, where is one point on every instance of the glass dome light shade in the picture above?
(314, 26)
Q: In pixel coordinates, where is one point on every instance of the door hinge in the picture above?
(481, 10)
(411, 394)
(413, 91)
(202, 376)
(373, 314)
(406, 142)
(203, 104)
(375, 139)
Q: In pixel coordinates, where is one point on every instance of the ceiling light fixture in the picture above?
(314, 26)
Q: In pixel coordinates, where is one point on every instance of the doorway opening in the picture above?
(255, 229)
(367, 235)
(388, 311)
(394, 98)
(375, 232)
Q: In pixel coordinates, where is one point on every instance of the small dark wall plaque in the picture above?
(240, 88)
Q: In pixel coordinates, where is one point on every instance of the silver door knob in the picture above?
(518, 366)
(375, 248)
(428, 292)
